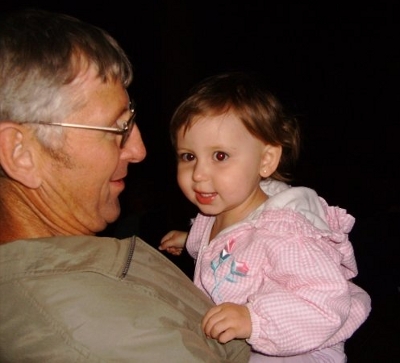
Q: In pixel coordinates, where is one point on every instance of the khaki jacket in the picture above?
(98, 299)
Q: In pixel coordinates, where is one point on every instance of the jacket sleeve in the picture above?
(306, 301)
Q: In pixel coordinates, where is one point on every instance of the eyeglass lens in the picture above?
(129, 126)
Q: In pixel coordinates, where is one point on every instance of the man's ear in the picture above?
(270, 160)
(17, 150)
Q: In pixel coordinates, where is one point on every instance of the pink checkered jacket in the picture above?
(291, 263)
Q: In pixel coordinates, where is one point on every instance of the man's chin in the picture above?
(111, 215)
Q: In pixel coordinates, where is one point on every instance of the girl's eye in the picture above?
(186, 157)
(220, 156)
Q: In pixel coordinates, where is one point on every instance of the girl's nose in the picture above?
(199, 172)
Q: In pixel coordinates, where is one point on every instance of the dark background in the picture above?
(335, 64)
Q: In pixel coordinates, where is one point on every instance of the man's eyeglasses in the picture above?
(125, 130)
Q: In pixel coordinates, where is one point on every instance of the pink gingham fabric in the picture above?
(291, 263)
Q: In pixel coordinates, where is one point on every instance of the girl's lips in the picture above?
(205, 198)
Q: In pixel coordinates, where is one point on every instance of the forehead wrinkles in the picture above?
(85, 87)
(77, 91)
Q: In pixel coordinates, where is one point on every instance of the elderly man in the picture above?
(67, 136)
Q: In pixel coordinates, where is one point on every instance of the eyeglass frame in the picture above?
(125, 130)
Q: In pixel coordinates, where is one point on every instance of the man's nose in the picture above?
(134, 150)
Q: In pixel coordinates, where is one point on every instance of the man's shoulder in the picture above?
(61, 254)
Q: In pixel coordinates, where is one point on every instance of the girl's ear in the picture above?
(17, 154)
(270, 160)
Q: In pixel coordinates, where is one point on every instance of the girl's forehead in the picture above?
(215, 117)
(211, 127)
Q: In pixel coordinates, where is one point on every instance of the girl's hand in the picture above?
(173, 242)
(227, 321)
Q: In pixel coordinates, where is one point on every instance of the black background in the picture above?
(335, 64)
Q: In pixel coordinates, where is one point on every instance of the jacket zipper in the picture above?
(130, 256)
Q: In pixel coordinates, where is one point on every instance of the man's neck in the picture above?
(20, 217)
